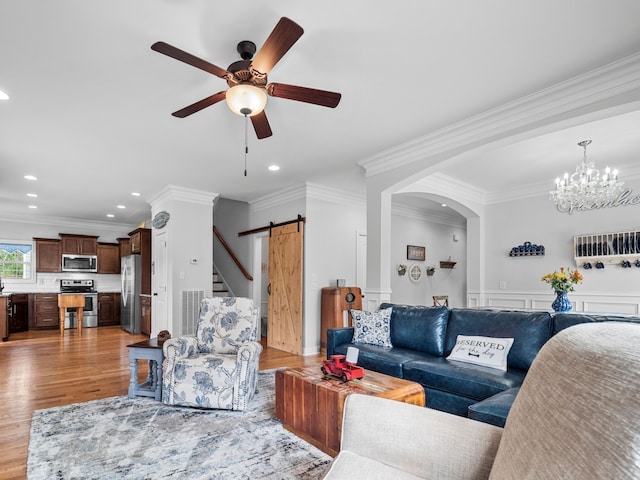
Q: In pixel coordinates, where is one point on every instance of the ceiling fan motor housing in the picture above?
(242, 73)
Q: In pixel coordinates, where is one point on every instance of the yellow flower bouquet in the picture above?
(564, 280)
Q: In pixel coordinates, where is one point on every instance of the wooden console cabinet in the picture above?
(334, 301)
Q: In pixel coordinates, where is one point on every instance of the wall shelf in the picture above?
(447, 264)
(600, 249)
(527, 249)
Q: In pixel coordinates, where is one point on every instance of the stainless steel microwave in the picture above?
(79, 263)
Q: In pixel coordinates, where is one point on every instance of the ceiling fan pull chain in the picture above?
(246, 141)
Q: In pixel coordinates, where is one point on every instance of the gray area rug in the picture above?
(122, 438)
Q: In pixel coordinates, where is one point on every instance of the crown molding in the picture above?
(67, 222)
(334, 195)
(278, 198)
(416, 213)
(599, 85)
(174, 192)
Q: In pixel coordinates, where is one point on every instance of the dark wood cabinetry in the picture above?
(19, 315)
(141, 245)
(108, 309)
(79, 244)
(145, 315)
(48, 255)
(4, 324)
(125, 246)
(43, 310)
(108, 258)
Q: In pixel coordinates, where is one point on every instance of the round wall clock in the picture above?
(415, 273)
(161, 219)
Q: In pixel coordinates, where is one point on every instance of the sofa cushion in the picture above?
(487, 351)
(418, 328)
(387, 360)
(494, 410)
(529, 330)
(372, 327)
(565, 320)
(464, 379)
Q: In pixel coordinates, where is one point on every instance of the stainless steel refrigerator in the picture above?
(130, 293)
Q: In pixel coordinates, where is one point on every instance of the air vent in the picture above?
(191, 310)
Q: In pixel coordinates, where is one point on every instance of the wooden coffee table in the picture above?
(311, 404)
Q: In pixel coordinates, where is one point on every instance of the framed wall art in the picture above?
(415, 252)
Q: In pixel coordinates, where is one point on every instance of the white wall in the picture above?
(438, 238)
(189, 236)
(333, 220)
(536, 220)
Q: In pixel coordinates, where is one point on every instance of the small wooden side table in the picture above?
(311, 404)
(71, 301)
(150, 350)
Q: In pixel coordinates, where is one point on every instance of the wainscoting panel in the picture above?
(627, 304)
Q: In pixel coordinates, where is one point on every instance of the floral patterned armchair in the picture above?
(218, 368)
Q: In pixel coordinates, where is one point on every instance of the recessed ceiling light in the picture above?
(110, 215)
(273, 168)
(30, 177)
(444, 204)
(32, 195)
(121, 206)
(3, 96)
(33, 206)
(135, 194)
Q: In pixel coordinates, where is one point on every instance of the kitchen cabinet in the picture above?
(140, 240)
(125, 246)
(108, 309)
(79, 244)
(141, 245)
(108, 258)
(145, 315)
(48, 255)
(4, 326)
(19, 316)
(43, 310)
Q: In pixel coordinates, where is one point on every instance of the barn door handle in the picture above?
(269, 289)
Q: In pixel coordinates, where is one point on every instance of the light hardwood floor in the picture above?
(41, 369)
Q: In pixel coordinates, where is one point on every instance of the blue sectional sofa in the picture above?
(422, 338)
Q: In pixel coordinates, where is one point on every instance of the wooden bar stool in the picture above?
(71, 301)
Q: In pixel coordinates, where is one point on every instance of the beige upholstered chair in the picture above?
(218, 367)
(577, 416)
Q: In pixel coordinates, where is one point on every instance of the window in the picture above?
(16, 261)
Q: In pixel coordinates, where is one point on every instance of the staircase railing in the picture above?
(233, 256)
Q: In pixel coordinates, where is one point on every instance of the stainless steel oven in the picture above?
(90, 310)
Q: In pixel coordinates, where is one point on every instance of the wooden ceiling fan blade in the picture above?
(181, 55)
(284, 35)
(261, 125)
(304, 94)
(204, 103)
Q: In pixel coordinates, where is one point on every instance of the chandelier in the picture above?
(586, 189)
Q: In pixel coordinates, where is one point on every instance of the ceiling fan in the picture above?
(247, 78)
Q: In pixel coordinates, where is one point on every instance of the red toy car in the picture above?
(337, 365)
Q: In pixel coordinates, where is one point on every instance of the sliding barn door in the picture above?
(284, 327)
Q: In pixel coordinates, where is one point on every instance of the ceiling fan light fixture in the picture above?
(244, 99)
